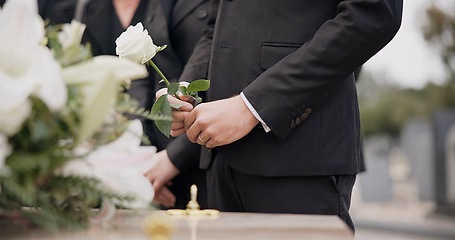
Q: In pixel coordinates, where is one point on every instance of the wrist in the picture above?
(249, 117)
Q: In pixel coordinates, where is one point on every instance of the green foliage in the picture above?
(393, 106)
(439, 31)
(391, 109)
(57, 202)
(31, 189)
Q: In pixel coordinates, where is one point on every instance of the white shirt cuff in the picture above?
(255, 113)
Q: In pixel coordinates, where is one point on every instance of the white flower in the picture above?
(120, 166)
(5, 151)
(15, 107)
(136, 45)
(26, 67)
(71, 34)
(103, 76)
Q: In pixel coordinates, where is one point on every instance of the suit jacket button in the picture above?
(305, 114)
(293, 124)
(201, 14)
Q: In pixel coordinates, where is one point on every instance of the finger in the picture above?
(184, 83)
(179, 116)
(188, 99)
(184, 105)
(160, 92)
(201, 140)
(189, 120)
(192, 129)
(165, 197)
(162, 201)
(177, 125)
(150, 175)
(178, 132)
(193, 133)
(211, 144)
(157, 185)
(168, 195)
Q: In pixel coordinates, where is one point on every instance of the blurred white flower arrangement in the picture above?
(64, 145)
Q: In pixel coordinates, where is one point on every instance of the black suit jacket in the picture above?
(294, 61)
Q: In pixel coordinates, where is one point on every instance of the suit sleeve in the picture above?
(303, 79)
(183, 153)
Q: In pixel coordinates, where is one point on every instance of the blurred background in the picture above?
(407, 105)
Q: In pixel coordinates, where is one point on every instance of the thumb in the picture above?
(184, 104)
(160, 92)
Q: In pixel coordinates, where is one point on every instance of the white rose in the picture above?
(120, 166)
(71, 34)
(136, 45)
(103, 76)
(5, 151)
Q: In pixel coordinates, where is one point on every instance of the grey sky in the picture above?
(408, 60)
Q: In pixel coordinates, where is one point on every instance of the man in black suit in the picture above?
(279, 128)
(178, 24)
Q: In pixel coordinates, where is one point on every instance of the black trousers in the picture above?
(232, 191)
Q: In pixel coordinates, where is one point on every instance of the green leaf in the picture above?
(173, 88)
(183, 90)
(199, 85)
(162, 107)
(197, 99)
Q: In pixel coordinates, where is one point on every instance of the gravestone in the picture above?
(450, 165)
(417, 144)
(442, 121)
(375, 184)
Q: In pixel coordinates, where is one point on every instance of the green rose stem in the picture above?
(159, 73)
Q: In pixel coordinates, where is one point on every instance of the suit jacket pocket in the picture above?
(271, 53)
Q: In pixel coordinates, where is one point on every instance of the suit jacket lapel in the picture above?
(156, 24)
(98, 19)
(182, 8)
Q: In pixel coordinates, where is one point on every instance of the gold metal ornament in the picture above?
(193, 208)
